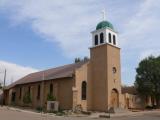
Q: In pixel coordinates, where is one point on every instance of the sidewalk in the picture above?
(93, 115)
(107, 115)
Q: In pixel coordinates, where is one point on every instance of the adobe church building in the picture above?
(95, 85)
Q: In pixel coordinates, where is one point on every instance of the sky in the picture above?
(37, 35)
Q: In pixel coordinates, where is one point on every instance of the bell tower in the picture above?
(105, 67)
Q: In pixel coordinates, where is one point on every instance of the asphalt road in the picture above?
(6, 114)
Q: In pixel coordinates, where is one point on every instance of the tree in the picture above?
(81, 60)
(77, 60)
(148, 78)
(85, 58)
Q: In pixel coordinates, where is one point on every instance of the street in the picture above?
(7, 114)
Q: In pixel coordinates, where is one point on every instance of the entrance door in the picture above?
(114, 98)
(127, 102)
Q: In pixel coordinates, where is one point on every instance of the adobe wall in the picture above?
(62, 90)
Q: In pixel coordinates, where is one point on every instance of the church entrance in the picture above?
(114, 98)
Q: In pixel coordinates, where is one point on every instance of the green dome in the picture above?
(104, 24)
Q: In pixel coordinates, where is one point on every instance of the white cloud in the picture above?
(14, 71)
(141, 31)
(65, 22)
(68, 23)
(149, 53)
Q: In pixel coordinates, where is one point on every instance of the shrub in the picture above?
(27, 98)
(50, 97)
(149, 107)
(39, 109)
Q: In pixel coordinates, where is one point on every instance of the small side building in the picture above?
(132, 100)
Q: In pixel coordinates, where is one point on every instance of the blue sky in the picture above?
(35, 36)
(22, 46)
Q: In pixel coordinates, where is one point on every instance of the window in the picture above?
(84, 90)
(114, 39)
(20, 92)
(13, 98)
(109, 38)
(114, 70)
(96, 40)
(51, 89)
(101, 38)
(38, 92)
(29, 90)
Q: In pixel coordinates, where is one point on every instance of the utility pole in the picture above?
(5, 72)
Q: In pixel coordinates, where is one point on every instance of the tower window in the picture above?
(114, 39)
(109, 38)
(84, 90)
(96, 40)
(101, 38)
(38, 92)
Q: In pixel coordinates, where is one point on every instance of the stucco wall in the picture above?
(103, 59)
(98, 63)
(62, 90)
(81, 74)
(113, 79)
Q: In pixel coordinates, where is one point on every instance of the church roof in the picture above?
(50, 74)
(104, 24)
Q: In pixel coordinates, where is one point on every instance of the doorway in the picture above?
(114, 98)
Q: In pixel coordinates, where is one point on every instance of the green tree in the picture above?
(148, 78)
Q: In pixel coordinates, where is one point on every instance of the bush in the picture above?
(149, 107)
(39, 109)
(155, 107)
(27, 98)
(50, 97)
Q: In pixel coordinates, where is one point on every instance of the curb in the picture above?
(127, 114)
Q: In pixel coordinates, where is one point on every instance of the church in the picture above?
(93, 85)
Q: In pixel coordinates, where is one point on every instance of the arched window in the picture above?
(51, 88)
(109, 38)
(84, 90)
(29, 89)
(101, 38)
(20, 93)
(114, 39)
(96, 40)
(38, 92)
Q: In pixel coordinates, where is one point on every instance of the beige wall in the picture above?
(103, 59)
(81, 74)
(98, 63)
(135, 101)
(113, 79)
(62, 90)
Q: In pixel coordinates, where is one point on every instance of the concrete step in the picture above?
(118, 110)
